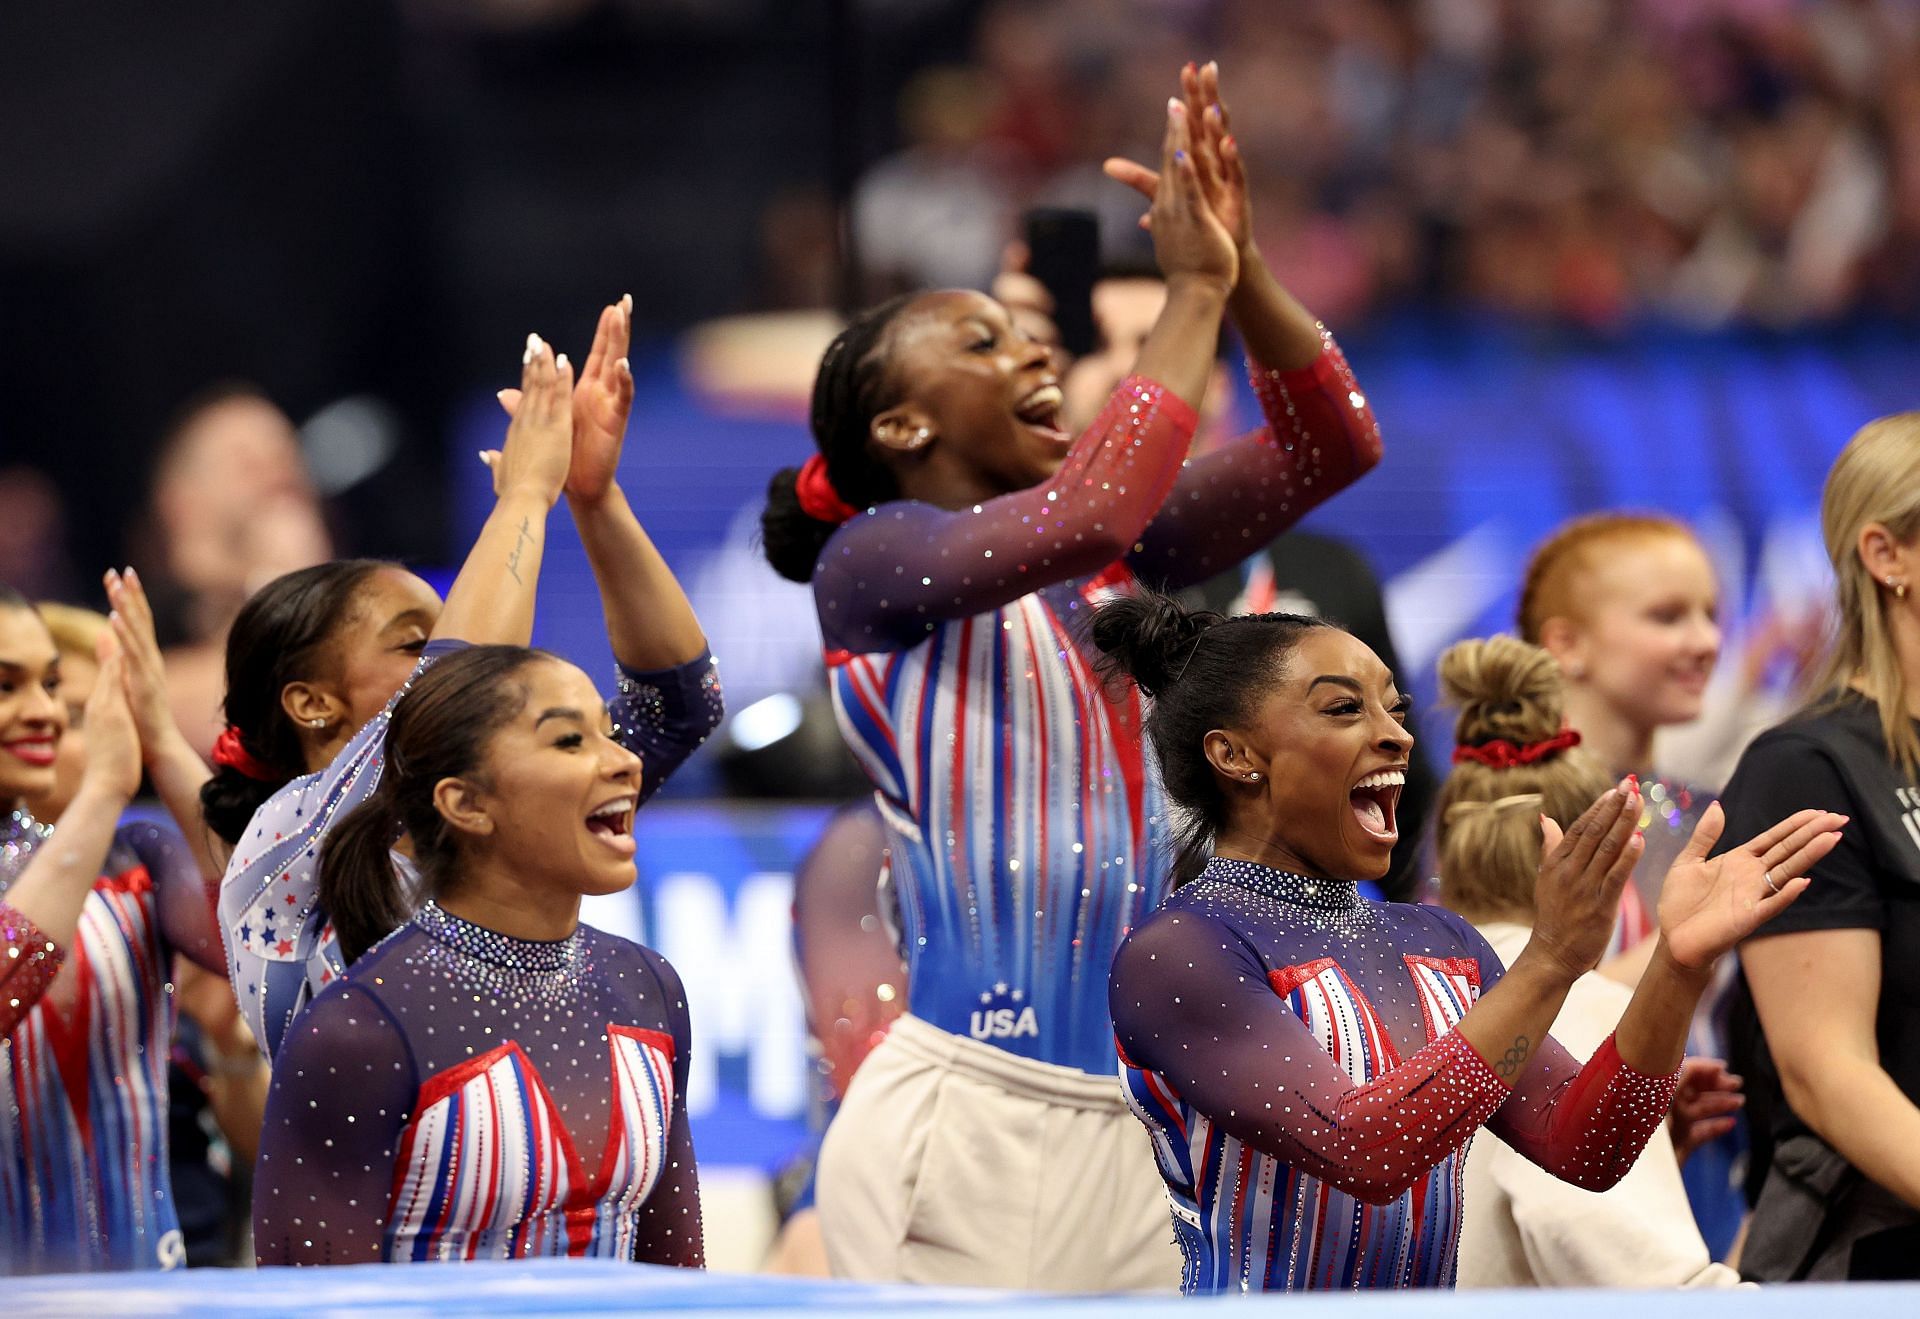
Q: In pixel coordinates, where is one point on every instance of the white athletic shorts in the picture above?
(952, 1162)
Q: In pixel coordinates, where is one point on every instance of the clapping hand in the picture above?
(1217, 161)
(113, 738)
(146, 673)
(602, 403)
(539, 443)
(1707, 906)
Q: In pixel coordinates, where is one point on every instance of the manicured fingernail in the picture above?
(560, 362)
(1180, 156)
(626, 303)
(1228, 144)
(1214, 65)
(625, 369)
(501, 394)
(1175, 105)
(533, 346)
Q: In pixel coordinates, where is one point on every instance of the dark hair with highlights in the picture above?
(1204, 671)
(276, 639)
(439, 730)
(852, 387)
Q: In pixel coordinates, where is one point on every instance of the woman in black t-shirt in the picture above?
(1836, 978)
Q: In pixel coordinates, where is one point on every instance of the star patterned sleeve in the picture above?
(664, 715)
(29, 960)
(186, 900)
(890, 574)
(1198, 1015)
(281, 949)
(1320, 437)
(671, 1230)
(343, 1087)
(1585, 1124)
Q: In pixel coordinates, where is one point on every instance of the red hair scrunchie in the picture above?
(1502, 754)
(229, 751)
(818, 499)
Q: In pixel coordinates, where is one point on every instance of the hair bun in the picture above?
(1150, 638)
(1505, 688)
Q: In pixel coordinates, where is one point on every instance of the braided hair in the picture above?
(852, 387)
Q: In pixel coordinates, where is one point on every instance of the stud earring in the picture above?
(1899, 589)
(316, 723)
(1254, 777)
(922, 435)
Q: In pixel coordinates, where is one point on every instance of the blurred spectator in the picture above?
(1580, 160)
(232, 507)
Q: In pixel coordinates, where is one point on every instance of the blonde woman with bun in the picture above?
(1835, 980)
(1523, 1226)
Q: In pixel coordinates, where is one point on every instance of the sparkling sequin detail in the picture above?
(28, 959)
(1292, 1049)
(83, 1071)
(462, 1094)
(280, 942)
(1027, 831)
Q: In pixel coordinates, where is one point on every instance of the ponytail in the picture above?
(1203, 672)
(359, 888)
(438, 730)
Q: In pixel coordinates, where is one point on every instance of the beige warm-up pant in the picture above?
(956, 1163)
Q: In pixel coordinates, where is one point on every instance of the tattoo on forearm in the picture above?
(1514, 1059)
(513, 555)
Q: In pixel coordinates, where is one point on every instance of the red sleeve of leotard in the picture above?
(29, 960)
(1320, 437)
(1195, 1006)
(1585, 1125)
(891, 573)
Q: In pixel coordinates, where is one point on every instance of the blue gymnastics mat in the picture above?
(567, 1287)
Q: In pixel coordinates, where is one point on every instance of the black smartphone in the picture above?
(1063, 253)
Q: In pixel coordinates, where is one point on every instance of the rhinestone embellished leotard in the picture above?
(459, 1094)
(1291, 1047)
(280, 944)
(1026, 829)
(83, 1068)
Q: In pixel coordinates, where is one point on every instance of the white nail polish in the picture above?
(560, 362)
(625, 369)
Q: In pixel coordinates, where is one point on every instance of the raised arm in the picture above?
(885, 577)
(669, 699)
(41, 914)
(491, 601)
(1320, 436)
(343, 1091)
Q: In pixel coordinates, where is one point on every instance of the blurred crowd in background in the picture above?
(354, 204)
(1591, 161)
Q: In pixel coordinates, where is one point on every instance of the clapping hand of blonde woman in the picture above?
(1707, 906)
(602, 403)
(539, 445)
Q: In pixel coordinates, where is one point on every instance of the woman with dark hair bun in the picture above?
(317, 657)
(490, 1079)
(1311, 1064)
(955, 537)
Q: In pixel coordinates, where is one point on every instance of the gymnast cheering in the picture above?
(1310, 1063)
